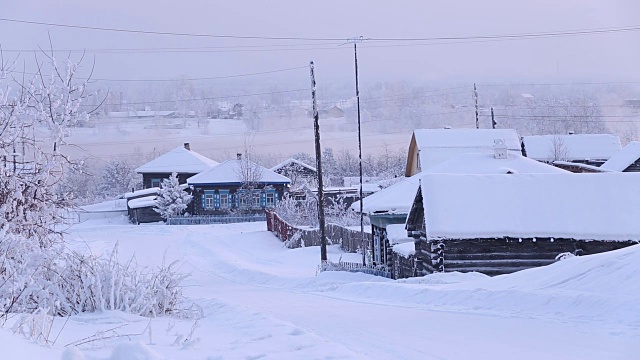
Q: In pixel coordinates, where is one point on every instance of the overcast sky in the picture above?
(594, 57)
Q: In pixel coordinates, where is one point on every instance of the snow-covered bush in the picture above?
(38, 274)
(172, 198)
(66, 282)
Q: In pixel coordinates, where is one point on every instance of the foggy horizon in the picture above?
(592, 57)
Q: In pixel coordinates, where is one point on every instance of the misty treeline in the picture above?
(96, 179)
(40, 273)
(395, 106)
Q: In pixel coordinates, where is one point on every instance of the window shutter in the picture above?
(263, 199)
(203, 204)
(216, 201)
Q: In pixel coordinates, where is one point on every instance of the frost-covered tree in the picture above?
(172, 198)
(118, 177)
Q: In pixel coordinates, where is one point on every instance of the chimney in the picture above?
(239, 156)
(187, 146)
(500, 149)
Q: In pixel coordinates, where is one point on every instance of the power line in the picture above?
(183, 79)
(289, 38)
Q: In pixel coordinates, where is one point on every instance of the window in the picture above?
(208, 200)
(418, 159)
(156, 182)
(271, 199)
(244, 199)
(255, 199)
(224, 200)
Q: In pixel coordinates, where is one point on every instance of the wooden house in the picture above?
(429, 147)
(392, 205)
(298, 172)
(625, 160)
(236, 186)
(498, 224)
(181, 160)
(589, 149)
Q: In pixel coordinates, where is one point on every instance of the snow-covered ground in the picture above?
(263, 301)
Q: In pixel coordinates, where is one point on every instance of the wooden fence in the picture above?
(295, 237)
(214, 219)
(355, 267)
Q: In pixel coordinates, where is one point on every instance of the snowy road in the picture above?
(262, 301)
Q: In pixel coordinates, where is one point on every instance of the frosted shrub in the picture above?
(172, 198)
(66, 282)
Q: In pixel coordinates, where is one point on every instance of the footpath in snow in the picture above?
(263, 301)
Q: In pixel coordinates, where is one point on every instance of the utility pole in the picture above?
(316, 128)
(355, 42)
(475, 96)
(493, 120)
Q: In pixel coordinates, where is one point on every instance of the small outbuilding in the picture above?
(625, 160)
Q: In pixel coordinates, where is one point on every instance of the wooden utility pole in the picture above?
(493, 120)
(316, 128)
(475, 96)
(355, 56)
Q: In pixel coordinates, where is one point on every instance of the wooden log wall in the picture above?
(501, 255)
(403, 267)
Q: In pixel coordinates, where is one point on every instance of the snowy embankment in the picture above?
(261, 300)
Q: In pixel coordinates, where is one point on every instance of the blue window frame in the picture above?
(225, 199)
(156, 182)
(208, 199)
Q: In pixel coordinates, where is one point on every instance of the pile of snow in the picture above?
(623, 158)
(398, 239)
(572, 147)
(146, 201)
(586, 206)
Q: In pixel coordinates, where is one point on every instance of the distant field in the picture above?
(220, 139)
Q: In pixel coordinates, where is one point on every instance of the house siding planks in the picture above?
(501, 255)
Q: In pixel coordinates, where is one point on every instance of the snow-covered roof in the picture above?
(438, 145)
(578, 146)
(397, 234)
(405, 249)
(623, 158)
(398, 198)
(586, 206)
(147, 201)
(292, 161)
(589, 168)
(149, 191)
(228, 172)
(178, 160)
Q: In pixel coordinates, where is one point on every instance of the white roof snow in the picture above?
(578, 146)
(438, 145)
(585, 206)
(178, 160)
(229, 172)
(149, 191)
(397, 234)
(623, 158)
(147, 201)
(398, 198)
(292, 161)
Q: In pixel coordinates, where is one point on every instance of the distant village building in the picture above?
(298, 172)
(180, 160)
(589, 149)
(237, 186)
(430, 147)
